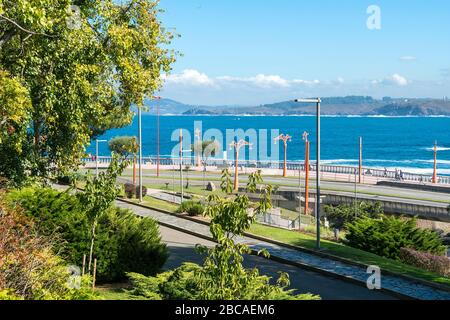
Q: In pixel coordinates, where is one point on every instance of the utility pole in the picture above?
(435, 178)
(305, 138)
(360, 158)
(317, 102)
(199, 149)
(285, 139)
(237, 147)
(157, 136)
(158, 141)
(96, 155)
(140, 151)
(181, 165)
(356, 197)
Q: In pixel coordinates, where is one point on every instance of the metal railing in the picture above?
(291, 166)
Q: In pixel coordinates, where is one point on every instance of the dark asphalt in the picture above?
(181, 247)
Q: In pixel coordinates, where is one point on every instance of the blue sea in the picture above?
(405, 143)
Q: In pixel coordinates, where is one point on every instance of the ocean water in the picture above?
(405, 143)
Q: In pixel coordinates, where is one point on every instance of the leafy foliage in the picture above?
(254, 179)
(206, 148)
(226, 184)
(222, 276)
(340, 215)
(81, 75)
(387, 235)
(29, 269)
(182, 284)
(124, 242)
(124, 146)
(192, 208)
(427, 261)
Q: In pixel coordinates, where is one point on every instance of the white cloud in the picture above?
(395, 79)
(305, 82)
(260, 80)
(189, 77)
(408, 58)
(398, 80)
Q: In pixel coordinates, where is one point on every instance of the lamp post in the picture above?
(317, 102)
(199, 146)
(435, 179)
(96, 155)
(140, 151)
(157, 137)
(285, 139)
(237, 145)
(305, 138)
(360, 158)
(181, 165)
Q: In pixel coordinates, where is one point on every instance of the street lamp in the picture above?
(285, 139)
(96, 155)
(435, 179)
(140, 151)
(181, 165)
(360, 158)
(305, 138)
(237, 145)
(157, 136)
(199, 146)
(317, 102)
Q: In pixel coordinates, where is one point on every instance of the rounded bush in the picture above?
(124, 242)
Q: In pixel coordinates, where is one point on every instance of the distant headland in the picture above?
(333, 106)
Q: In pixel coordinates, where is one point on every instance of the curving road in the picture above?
(182, 249)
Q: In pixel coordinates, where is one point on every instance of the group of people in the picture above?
(399, 175)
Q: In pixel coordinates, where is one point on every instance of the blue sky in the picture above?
(250, 52)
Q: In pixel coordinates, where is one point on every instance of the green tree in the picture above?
(83, 71)
(226, 184)
(222, 275)
(343, 214)
(125, 146)
(206, 148)
(99, 194)
(387, 235)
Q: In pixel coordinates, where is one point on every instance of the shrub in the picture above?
(185, 283)
(124, 241)
(192, 208)
(387, 235)
(340, 215)
(427, 261)
(29, 269)
(132, 190)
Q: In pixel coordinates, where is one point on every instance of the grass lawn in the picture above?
(157, 203)
(196, 190)
(115, 293)
(340, 250)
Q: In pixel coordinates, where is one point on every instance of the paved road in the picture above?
(181, 247)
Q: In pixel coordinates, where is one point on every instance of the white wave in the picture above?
(438, 149)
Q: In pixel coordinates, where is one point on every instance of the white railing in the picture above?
(291, 165)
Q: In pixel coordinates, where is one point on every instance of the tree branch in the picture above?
(25, 30)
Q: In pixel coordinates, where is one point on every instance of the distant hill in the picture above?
(350, 105)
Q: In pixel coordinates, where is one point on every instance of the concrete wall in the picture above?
(437, 213)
